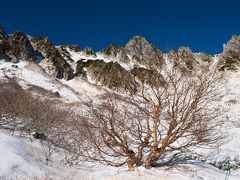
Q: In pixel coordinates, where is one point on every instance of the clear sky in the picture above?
(203, 25)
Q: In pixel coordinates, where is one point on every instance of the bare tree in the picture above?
(171, 117)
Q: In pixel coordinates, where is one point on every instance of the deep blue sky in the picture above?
(203, 25)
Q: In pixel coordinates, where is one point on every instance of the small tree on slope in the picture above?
(175, 115)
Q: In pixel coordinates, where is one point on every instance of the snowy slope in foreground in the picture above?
(20, 158)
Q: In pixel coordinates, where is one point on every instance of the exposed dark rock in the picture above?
(89, 51)
(4, 47)
(115, 53)
(204, 57)
(15, 66)
(40, 136)
(109, 74)
(21, 48)
(145, 76)
(61, 68)
(111, 50)
(183, 59)
(57, 94)
(42, 45)
(64, 50)
(4, 56)
(16, 47)
(71, 47)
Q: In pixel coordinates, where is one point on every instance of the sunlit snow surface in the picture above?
(28, 73)
(21, 158)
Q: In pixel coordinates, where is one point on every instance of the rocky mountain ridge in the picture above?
(117, 68)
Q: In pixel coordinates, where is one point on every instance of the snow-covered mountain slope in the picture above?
(29, 74)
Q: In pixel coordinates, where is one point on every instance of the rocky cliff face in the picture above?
(111, 75)
(137, 52)
(58, 66)
(183, 59)
(124, 67)
(145, 76)
(115, 53)
(230, 58)
(64, 51)
(16, 47)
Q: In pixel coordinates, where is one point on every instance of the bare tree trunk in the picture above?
(149, 162)
(131, 164)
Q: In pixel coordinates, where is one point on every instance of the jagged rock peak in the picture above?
(230, 58)
(19, 35)
(17, 46)
(112, 49)
(139, 44)
(184, 49)
(183, 59)
(182, 52)
(144, 53)
(233, 45)
(88, 51)
(42, 44)
(116, 53)
(137, 40)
